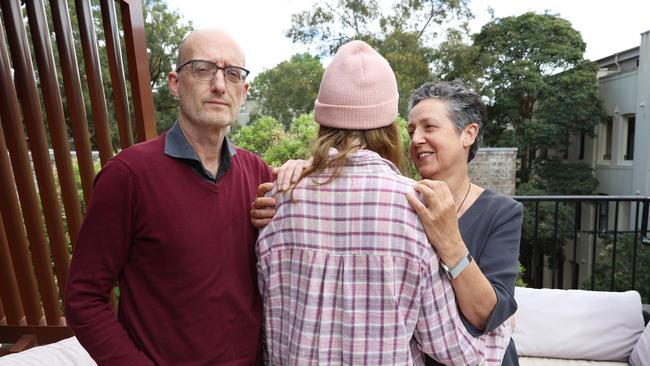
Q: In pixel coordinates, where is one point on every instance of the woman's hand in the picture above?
(439, 218)
(289, 172)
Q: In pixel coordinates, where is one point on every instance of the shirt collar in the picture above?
(177, 146)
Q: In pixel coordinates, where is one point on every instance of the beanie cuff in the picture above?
(356, 117)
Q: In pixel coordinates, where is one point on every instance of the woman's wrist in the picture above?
(453, 252)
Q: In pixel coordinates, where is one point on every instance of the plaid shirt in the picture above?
(347, 276)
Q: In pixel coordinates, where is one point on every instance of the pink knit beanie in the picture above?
(358, 90)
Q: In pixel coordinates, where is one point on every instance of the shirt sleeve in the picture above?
(441, 334)
(499, 263)
(100, 254)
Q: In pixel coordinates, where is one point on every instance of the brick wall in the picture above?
(495, 168)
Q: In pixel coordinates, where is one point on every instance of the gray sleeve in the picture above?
(498, 260)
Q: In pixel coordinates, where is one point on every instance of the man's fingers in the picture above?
(264, 188)
(260, 223)
(263, 202)
(263, 213)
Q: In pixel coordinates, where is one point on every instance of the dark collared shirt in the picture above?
(177, 146)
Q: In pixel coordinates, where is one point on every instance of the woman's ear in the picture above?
(470, 132)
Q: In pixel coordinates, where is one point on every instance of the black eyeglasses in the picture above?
(206, 70)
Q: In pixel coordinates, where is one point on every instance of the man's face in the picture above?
(213, 102)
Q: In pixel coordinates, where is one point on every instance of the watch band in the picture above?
(458, 268)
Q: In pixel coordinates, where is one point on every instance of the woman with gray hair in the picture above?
(475, 231)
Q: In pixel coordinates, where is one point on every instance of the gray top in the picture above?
(491, 229)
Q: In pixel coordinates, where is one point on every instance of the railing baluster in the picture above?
(136, 52)
(33, 123)
(555, 255)
(635, 243)
(576, 218)
(595, 243)
(56, 121)
(9, 294)
(94, 76)
(612, 284)
(73, 94)
(114, 52)
(538, 252)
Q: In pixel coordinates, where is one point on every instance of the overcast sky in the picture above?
(606, 26)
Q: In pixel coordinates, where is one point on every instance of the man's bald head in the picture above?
(201, 37)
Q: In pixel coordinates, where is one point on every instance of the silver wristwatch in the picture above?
(457, 268)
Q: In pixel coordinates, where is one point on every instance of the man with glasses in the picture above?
(169, 222)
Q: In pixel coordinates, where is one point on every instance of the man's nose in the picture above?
(218, 82)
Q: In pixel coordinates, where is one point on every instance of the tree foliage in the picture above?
(164, 30)
(539, 85)
(630, 254)
(270, 140)
(408, 59)
(289, 89)
(403, 34)
(332, 23)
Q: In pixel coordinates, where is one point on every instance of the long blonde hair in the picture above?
(385, 141)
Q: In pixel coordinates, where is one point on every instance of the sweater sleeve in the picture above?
(499, 263)
(100, 255)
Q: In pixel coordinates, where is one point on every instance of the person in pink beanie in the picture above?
(345, 270)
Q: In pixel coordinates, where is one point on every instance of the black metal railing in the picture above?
(586, 242)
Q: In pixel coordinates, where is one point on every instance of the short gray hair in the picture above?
(464, 106)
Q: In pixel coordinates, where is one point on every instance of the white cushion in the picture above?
(641, 354)
(67, 352)
(543, 361)
(577, 324)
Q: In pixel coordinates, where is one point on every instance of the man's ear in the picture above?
(244, 93)
(172, 83)
(470, 132)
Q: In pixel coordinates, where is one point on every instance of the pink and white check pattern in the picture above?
(348, 278)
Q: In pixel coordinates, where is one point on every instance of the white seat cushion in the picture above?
(577, 324)
(67, 352)
(641, 354)
(543, 361)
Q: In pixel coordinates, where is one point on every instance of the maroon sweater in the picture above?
(182, 250)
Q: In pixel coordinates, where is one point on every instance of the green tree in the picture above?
(164, 30)
(289, 89)
(404, 35)
(259, 135)
(331, 23)
(296, 143)
(541, 87)
(630, 253)
(409, 60)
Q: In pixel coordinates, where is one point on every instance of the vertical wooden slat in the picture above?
(59, 137)
(94, 76)
(13, 308)
(11, 216)
(136, 49)
(33, 121)
(74, 95)
(113, 49)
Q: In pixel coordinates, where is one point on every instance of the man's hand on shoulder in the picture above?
(263, 208)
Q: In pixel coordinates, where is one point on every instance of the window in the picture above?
(629, 145)
(580, 147)
(609, 127)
